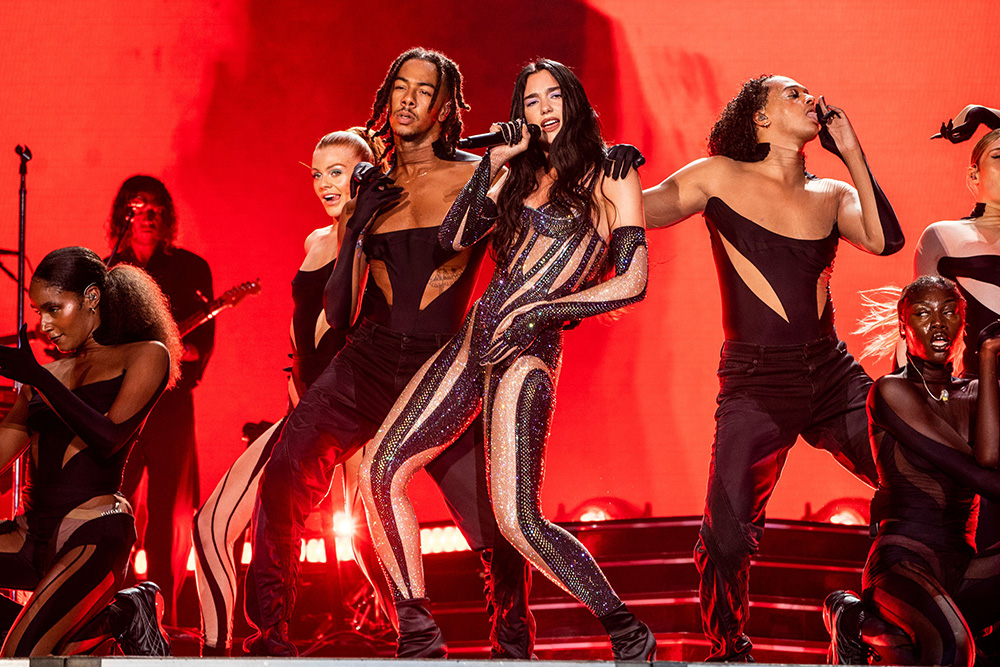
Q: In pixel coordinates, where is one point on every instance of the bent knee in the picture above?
(515, 525)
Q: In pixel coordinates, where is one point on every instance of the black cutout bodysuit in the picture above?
(779, 378)
(411, 256)
(792, 267)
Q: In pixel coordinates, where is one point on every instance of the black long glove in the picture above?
(96, 430)
(892, 232)
(373, 192)
(973, 119)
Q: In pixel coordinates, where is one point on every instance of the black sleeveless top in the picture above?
(53, 489)
(411, 256)
(984, 268)
(792, 267)
(307, 299)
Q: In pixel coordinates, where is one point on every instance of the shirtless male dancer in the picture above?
(775, 230)
(415, 300)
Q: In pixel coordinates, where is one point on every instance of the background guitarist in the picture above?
(143, 226)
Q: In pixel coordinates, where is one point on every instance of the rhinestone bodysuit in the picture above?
(503, 361)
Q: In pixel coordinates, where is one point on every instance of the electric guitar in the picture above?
(229, 298)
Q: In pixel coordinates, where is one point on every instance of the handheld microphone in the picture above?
(492, 139)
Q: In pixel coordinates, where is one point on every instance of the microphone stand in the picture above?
(25, 154)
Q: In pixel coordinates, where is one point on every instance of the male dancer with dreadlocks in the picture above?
(416, 298)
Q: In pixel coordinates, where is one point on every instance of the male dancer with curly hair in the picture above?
(416, 297)
(784, 373)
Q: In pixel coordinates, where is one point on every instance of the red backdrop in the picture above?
(221, 100)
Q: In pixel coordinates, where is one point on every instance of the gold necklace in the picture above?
(944, 392)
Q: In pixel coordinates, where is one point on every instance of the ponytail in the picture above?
(134, 309)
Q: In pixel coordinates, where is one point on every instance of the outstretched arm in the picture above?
(374, 192)
(144, 379)
(967, 121)
(626, 250)
(865, 216)
(895, 406)
(682, 194)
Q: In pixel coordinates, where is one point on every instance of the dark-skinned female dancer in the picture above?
(226, 513)
(557, 227)
(775, 229)
(927, 592)
(78, 417)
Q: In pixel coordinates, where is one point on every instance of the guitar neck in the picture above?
(189, 324)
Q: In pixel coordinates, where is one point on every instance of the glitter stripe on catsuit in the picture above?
(554, 257)
(438, 404)
(523, 406)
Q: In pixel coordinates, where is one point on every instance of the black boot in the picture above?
(419, 635)
(271, 641)
(506, 588)
(843, 614)
(144, 635)
(631, 639)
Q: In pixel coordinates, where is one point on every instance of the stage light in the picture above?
(842, 511)
(190, 563)
(315, 550)
(139, 564)
(247, 554)
(343, 524)
(442, 539)
(603, 509)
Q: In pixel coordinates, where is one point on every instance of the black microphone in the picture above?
(4, 251)
(492, 139)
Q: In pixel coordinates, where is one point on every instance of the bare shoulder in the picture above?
(462, 170)
(145, 352)
(896, 391)
(319, 236)
(615, 189)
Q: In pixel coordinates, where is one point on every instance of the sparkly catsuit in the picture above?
(548, 279)
(923, 572)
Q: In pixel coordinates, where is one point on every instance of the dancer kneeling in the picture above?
(557, 227)
(79, 417)
(936, 440)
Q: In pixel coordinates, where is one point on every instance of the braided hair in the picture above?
(449, 81)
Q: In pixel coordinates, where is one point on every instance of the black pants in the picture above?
(339, 413)
(768, 396)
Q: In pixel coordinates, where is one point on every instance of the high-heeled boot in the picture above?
(631, 639)
(419, 635)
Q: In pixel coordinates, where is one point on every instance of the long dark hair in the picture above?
(734, 135)
(118, 224)
(449, 83)
(577, 154)
(133, 308)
